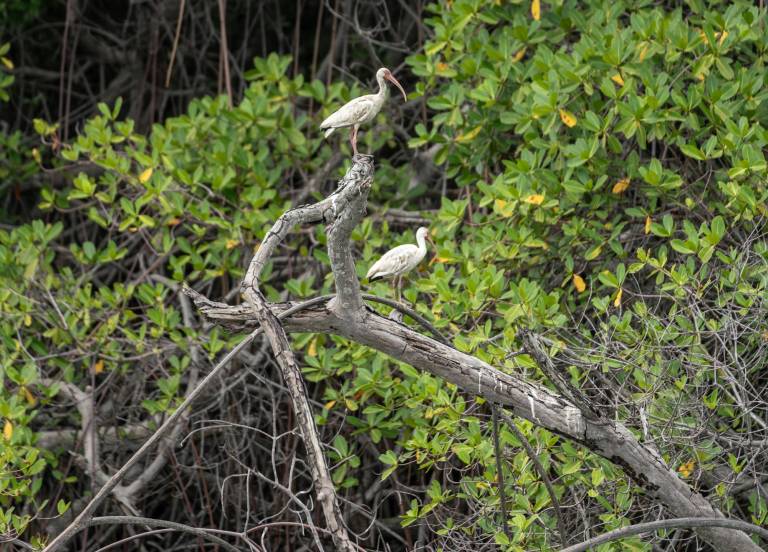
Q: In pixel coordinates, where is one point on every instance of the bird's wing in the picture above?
(351, 113)
(395, 261)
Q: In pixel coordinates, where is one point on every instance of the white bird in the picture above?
(361, 110)
(400, 260)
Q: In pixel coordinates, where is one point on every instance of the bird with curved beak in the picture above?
(400, 260)
(361, 110)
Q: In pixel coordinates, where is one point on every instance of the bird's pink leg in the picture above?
(353, 139)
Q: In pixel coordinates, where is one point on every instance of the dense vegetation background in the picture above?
(593, 171)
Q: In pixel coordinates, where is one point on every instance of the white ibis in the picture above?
(361, 110)
(402, 259)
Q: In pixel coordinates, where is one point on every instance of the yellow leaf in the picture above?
(231, 244)
(536, 9)
(687, 469)
(723, 36)
(644, 52)
(579, 284)
(27, 320)
(504, 208)
(617, 79)
(648, 224)
(568, 118)
(765, 335)
(8, 430)
(535, 199)
(31, 400)
(469, 136)
(617, 301)
(98, 367)
(329, 405)
(312, 350)
(8, 63)
(145, 175)
(437, 259)
(519, 55)
(174, 221)
(36, 155)
(621, 186)
(442, 66)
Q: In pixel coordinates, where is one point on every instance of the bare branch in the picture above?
(691, 522)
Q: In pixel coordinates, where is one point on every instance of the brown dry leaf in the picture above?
(568, 118)
(621, 186)
(579, 283)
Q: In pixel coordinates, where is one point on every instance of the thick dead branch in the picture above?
(326, 492)
(82, 520)
(640, 528)
(566, 415)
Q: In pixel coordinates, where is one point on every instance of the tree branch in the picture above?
(639, 528)
(83, 518)
(566, 414)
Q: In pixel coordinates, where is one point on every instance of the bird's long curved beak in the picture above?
(393, 80)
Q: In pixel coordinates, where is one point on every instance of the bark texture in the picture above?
(567, 412)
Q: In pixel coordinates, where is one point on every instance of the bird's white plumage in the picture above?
(361, 110)
(397, 261)
(401, 259)
(358, 111)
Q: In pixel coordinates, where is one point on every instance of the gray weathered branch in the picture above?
(569, 414)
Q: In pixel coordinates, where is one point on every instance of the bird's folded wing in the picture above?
(395, 261)
(353, 112)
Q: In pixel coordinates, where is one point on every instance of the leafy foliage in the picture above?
(605, 183)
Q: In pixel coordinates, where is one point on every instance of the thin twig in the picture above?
(81, 520)
(175, 44)
(130, 520)
(542, 473)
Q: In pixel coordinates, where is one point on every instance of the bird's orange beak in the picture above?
(393, 80)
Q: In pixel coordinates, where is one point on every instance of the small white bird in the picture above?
(361, 110)
(400, 260)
